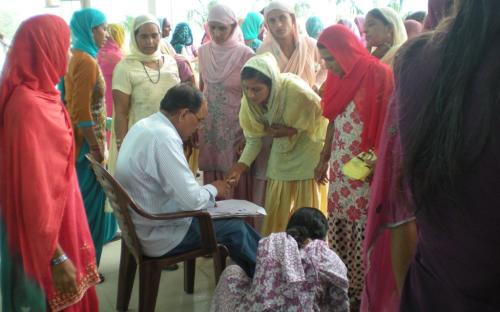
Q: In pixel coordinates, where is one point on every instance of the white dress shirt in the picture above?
(152, 167)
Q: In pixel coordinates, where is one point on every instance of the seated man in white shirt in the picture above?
(152, 167)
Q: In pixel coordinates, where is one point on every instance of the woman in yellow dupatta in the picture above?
(284, 107)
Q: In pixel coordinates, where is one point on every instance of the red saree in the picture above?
(40, 201)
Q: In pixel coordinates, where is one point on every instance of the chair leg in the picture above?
(128, 267)
(149, 281)
(189, 270)
(219, 258)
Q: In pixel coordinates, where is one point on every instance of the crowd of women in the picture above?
(385, 128)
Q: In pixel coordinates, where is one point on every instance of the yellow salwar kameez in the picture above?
(285, 197)
(290, 169)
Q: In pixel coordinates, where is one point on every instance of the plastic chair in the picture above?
(150, 268)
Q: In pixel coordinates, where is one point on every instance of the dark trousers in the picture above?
(240, 239)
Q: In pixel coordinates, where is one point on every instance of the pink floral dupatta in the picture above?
(286, 279)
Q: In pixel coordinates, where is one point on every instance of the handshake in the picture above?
(231, 180)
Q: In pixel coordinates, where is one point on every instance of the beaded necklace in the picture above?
(147, 73)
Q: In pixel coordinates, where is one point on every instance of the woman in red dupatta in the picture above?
(40, 201)
(355, 98)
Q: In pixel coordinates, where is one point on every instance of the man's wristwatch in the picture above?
(58, 260)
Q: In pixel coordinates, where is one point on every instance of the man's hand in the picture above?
(222, 188)
(64, 277)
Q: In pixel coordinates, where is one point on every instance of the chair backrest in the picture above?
(120, 201)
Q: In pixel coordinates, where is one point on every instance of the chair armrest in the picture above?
(172, 215)
(124, 200)
(207, 233)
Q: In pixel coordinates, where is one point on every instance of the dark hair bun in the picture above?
(299, 233)
(307, 223)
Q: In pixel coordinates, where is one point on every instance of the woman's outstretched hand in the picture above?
(234, 175)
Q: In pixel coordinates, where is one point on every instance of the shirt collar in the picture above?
(164, 119)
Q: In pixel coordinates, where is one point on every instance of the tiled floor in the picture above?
(171, 295)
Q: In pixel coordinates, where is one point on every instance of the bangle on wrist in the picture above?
(58, 260)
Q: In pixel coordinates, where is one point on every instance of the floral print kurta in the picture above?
(348, 201)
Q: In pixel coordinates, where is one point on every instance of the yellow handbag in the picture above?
(361, 166)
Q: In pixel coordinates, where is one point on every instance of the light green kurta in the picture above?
(292, 103)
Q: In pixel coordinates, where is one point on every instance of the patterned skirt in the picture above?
(346, 237)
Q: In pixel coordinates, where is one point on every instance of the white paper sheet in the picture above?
(236, 208)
